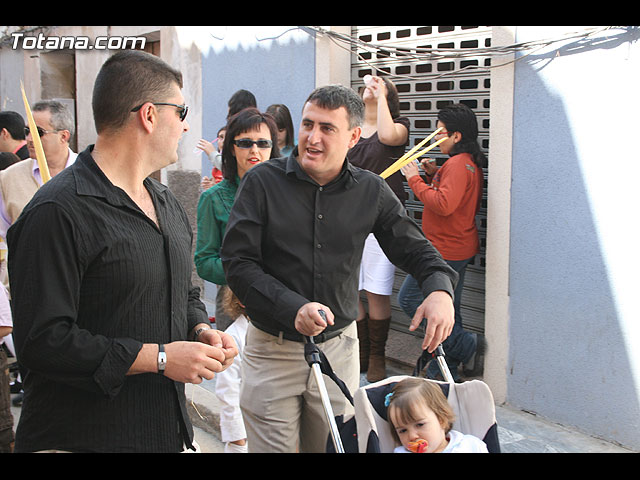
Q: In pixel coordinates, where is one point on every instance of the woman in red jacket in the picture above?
(451, 198)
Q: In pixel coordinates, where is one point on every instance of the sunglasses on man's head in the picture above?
(182, 109)
(246, 143)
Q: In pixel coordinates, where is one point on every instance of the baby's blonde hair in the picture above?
(412, 394)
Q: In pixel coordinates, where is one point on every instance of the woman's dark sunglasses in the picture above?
(246, 143)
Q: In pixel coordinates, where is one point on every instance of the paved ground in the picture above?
(518, 431)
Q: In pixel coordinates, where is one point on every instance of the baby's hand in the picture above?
(418, 446)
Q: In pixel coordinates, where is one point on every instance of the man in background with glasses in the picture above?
(106, 319)
(20, 181)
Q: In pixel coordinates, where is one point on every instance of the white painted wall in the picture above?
(573, 309)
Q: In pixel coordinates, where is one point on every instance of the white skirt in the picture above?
(377, 273)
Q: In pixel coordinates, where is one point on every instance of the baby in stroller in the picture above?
(422, 420)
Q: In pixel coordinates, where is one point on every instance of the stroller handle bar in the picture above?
(444, 368)
(312, 355)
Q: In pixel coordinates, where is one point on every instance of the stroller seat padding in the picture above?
(471, 401)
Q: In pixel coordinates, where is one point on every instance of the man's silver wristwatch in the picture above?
(162, 359)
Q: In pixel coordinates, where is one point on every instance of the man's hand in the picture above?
(192, 362)
(221, 340)
(438, 309)
(309, 321)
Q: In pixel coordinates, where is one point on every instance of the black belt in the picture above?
(298, 337)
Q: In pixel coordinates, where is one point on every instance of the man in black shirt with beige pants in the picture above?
(106, 319)
(293, 246)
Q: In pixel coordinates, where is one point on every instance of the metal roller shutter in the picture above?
(426, 83)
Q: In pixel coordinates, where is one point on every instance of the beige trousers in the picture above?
(279, 397)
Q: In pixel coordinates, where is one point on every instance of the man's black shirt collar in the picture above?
(91, 181)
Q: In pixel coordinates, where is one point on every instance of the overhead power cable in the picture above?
(353, 44)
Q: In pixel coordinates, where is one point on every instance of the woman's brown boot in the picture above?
(378, 332)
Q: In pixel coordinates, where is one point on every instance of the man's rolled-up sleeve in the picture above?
(196, 310)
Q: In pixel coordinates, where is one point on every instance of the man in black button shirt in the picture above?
(292, 247)
(105, 316)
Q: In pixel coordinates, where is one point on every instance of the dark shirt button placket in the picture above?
(317, 264)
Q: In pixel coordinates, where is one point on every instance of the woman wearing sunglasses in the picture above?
(251, 138)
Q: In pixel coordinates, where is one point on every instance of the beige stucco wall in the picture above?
(498, 219)
(333, 64)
